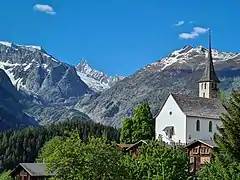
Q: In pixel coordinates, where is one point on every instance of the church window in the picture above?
(205, 85)
(198, 125)
(170, 112)
(203, 94)
(210, 126)
(202, 85)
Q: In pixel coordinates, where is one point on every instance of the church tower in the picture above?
(208, 84)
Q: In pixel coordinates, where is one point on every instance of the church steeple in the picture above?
(208, 84)
(209, 74)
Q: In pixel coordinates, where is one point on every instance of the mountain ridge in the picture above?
(178, 72)
(56, 91)
(95, 79)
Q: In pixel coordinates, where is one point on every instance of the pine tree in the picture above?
(228, 139)
(226, 162)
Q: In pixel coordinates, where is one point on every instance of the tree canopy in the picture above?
(226, 164)
(23, 145)
(158, 161)
(139, 127)
(77, 160)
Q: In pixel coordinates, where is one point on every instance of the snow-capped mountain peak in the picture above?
(189, 55)
(17, 46)
(95, 79)
(5, 43)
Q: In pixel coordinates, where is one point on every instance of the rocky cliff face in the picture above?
(11, 110)
(96, 80)
(178, 72)
(45, 87)
(32, 70)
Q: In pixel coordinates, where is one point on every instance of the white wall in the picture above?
(208, 92)
(204, 130)
(202, 89)
(177, 119)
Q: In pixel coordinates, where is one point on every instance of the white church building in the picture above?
(185, 118)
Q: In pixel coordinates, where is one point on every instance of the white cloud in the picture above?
(179, 23)
(195, 33)
(44, 8)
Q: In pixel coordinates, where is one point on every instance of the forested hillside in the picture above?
(23, 145)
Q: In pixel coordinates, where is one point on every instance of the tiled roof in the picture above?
(199, 106)
(36, 169)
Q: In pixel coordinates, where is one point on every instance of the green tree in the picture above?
(23, 145)
(157, 161)
(5, 176)
(218, 170)
(223, 96)
(228, 138)
(127, 130)
(48, 148)
(226, 164)
(141, 126)
(78, 160)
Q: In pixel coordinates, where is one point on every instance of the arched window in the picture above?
(202, 85)
(205, 85)
(210, 126)
(198, 125)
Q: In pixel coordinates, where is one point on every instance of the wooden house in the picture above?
(31, 171)
(131, 148)
(199, 152)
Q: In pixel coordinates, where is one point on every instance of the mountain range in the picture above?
(178, 72)
(47, 90)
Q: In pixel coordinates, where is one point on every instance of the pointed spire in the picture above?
(209, 74)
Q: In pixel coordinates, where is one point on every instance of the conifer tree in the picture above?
(226, 162)
(228, 138)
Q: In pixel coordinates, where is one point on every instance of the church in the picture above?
(183, 118)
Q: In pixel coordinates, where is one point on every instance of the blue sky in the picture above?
(119, 36)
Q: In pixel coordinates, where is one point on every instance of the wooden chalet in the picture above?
(132, 148)
(31, 171)
(199, 152)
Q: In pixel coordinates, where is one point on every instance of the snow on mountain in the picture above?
(186, 54)
(95, 79)
(32, 70)
(178, 72)
(8, 66)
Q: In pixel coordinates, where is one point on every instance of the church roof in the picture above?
(199, 106)
(209, 74)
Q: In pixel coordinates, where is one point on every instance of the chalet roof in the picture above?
(34, 169)
(209, 143)
(136, 144)
(124, 146)
(199, 106)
